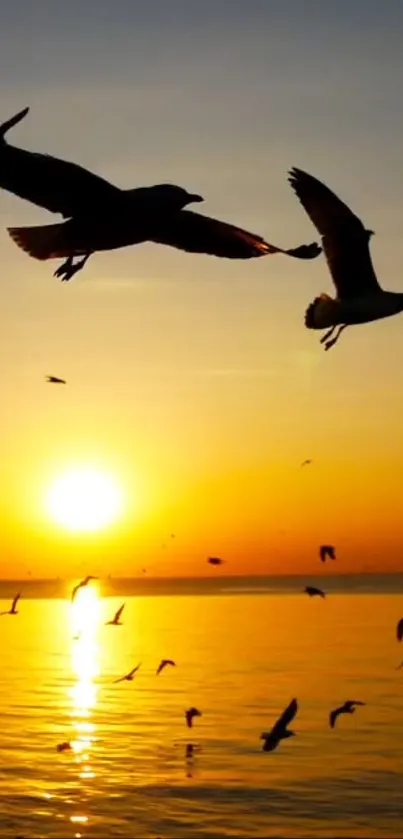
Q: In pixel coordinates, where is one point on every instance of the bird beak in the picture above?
(196, 198)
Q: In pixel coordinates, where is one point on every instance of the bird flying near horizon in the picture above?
(129, 676)
(116, 619)
(347, 708)
(190, 715)
(327, 552)
(54, 380)
(313, 591)
(215, 560)
(13, 608)
(345, 242)
(82, 584)
(100, 216)
(165, 662)
(280, 730)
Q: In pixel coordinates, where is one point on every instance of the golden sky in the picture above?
(192, 381)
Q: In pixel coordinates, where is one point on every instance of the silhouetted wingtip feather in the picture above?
(11, 122)
(305, 251)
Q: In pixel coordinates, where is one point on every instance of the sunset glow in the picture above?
(84, 500)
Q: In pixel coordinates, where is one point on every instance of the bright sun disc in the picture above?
(84, 499)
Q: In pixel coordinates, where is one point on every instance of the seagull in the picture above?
(312, 591)
(215, 560)
(63, 747)
(190, 714)
(347, 708)
(345, 242)
(100, 216)
(82, 584)
(129, 676)
(164, 663)
(399, 630)
(13, 608)
(327, 551)
(280, 730)
(116, 620)
(54, 380)
(306, 463)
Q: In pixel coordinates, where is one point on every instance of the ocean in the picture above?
(243, 648)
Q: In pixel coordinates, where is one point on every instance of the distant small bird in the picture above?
(164, 663)
(327, 551)
(347, 708)
(399, 630)
(54, 380)
(13, 608)
(312, 591)
(82, 584)
(306, 463)
(190, 714)
(63, 747)
(215, 560)
(280, 731)
(129, 676)
(116, 620)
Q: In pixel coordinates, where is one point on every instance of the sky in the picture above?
(192, 381)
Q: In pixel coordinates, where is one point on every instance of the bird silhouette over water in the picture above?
(54, 380)
(100, 216)
(63, 747)
(313, 591)
(13, 608)
(129, 676)
(190, 714)
(347, 708)
(345, 242)
(399, 630)
(116, 620)
(165, 662)
(215, 560)
(327, 552)
(280, 730)
(81, 584)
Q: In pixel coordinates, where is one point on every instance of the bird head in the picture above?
(175, 197)
(370, 233)
(287, 734)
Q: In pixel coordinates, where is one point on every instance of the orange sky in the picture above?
(192, 381)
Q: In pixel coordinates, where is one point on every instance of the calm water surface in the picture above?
(240, 659)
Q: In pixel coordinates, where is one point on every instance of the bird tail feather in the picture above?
(322, 313)
(11, 122)
(42, 242)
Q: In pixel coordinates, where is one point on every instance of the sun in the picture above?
(84, 499)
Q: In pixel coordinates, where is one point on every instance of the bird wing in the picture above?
(15, 601)
(132, 672)
(57, 185)
(399, 630)
(75, 590)
(196, 233)
(352, 702)
(344, 238)
(122, 679)
(285, 718)
(333, 716)
(119, 612)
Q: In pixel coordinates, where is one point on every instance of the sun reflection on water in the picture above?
(85, 619)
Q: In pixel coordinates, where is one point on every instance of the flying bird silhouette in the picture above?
(63, 747)
(81, 584)
(116, 620)
(399, 630)
(54, 380)
(347, 708)
(345, 242)
(129, 676)
(327, 552)
(100, 216)
(13, 608)
(306, 463)
(164, 663)
(190, 714)
(215, 560)
(312, 591)
(280, 730)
